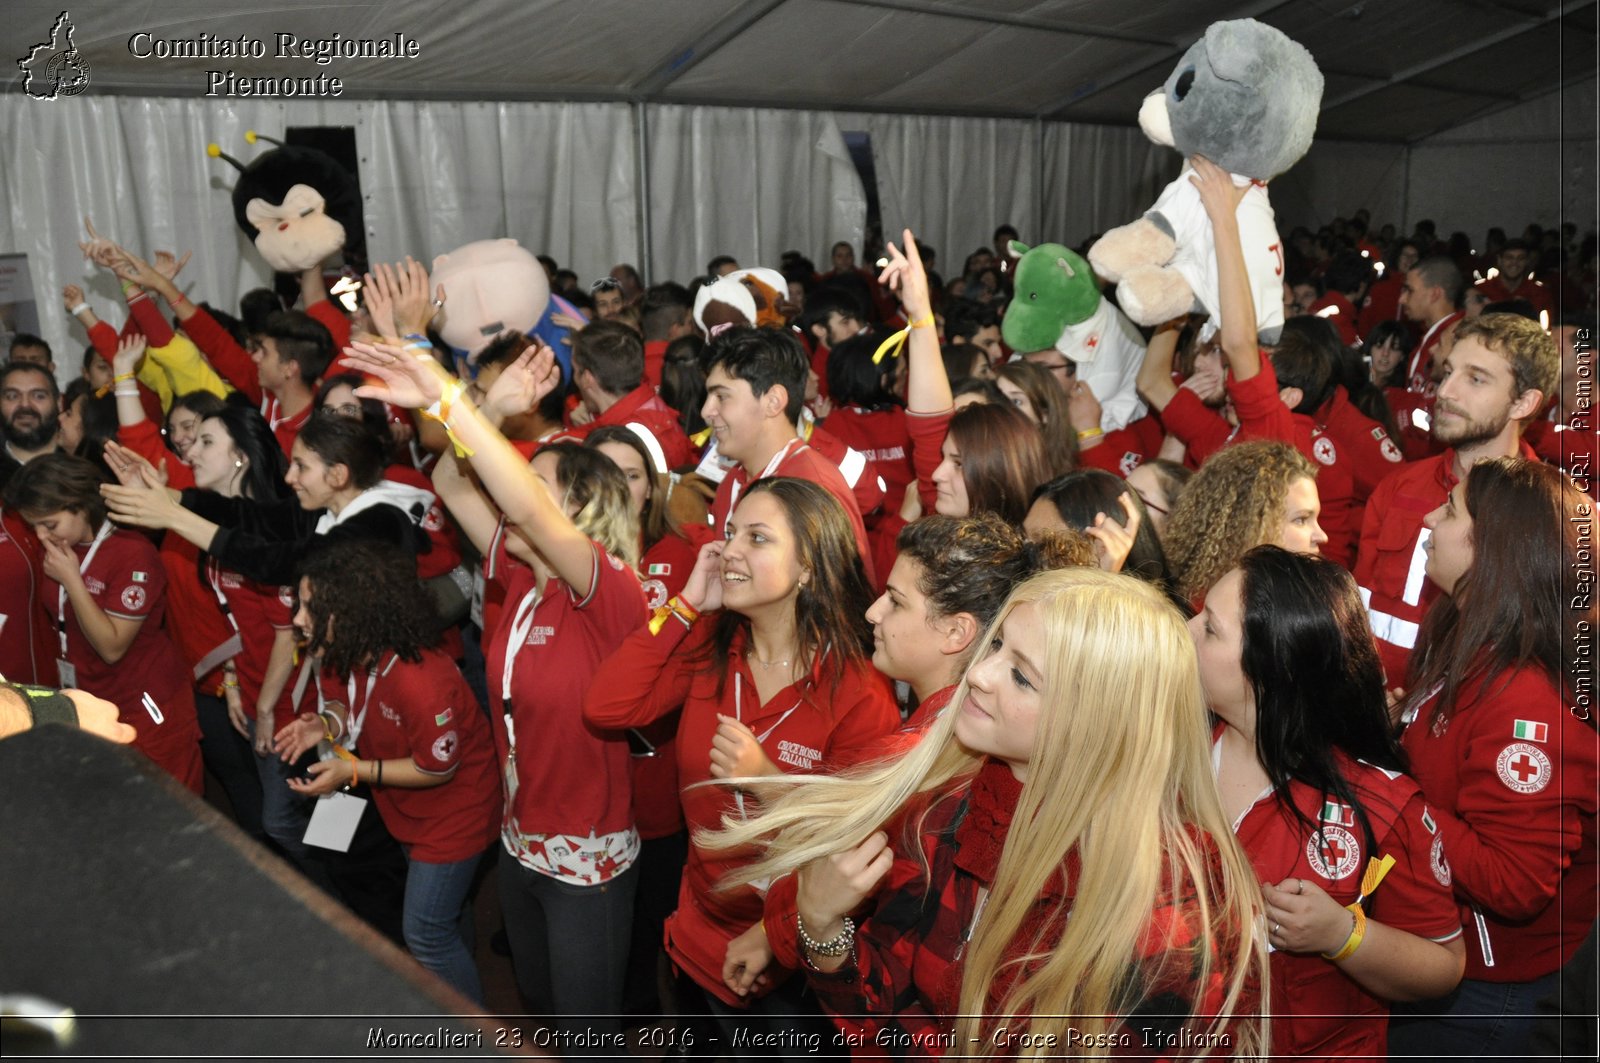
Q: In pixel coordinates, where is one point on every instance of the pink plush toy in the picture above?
(491, 286)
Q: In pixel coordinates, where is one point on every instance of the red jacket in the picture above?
(810, 726)
(1390, 564)
(902, 990)
(926, 432)
(1511, 777)
(644, 406)
(1365, 448)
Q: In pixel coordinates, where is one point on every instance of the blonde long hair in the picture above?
(1120, 765)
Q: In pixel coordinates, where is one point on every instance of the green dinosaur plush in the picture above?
(1054, 288)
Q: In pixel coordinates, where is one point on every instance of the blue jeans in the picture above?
(1478, 1020)
(284, 813)
(437, 921)
(569, 944)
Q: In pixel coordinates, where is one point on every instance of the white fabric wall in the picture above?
(952, 180)
(748, 182)
(560, 178)
(1099, 177)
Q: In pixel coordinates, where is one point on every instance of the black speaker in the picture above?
(169, 932)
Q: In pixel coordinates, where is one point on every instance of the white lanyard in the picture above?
(794, 446)
(61, 592)
(738, 714)
(214, 571)
(354, 719)
(521, 624)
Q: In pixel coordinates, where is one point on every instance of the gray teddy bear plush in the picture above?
(1246, 97)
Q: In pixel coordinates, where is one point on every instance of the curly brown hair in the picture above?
(365, 600)
(1233, 503)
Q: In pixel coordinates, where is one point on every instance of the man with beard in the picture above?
(1497, 378)
(30, 417)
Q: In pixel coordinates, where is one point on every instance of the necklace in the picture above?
(751, 656)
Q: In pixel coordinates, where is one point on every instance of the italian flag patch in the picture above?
(1529, 731)
(659, 570)
(1334, 812)
(443, 718)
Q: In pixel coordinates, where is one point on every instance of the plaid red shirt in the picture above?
(902, 991)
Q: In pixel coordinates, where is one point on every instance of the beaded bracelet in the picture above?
(837, 945)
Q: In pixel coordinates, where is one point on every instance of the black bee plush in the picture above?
(296, 203)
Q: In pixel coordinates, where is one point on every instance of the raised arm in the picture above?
(927, 386)
(1221, 198)
(1155, 372)
(420, 382)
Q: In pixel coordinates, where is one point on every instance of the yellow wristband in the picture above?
(1090, 433)
(895, 342)
(1358, 934)
(440, 412)
(676, 607)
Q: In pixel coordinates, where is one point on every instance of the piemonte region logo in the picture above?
(56, 67)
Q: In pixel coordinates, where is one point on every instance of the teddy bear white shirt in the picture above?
(1196, 256)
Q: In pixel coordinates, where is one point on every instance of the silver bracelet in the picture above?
(837, 945)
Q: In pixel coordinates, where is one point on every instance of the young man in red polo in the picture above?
(1496, 379)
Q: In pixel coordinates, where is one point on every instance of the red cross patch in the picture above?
(444, 749)
(1322, 449)
(1092, 342)
(1131, 460)
(1333, 853)
(1524, 768)
(133, 597)
(1436, 860)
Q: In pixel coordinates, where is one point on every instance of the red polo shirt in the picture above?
(425, 711)
(27, 643)
(1365, 447)
(882, 438)
(1319, 1011)
(571, 778)
(258, 612)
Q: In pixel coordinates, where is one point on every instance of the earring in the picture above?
(238, 463)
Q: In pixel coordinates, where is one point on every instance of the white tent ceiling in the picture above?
(1396, 70)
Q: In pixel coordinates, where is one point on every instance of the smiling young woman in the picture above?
(765, 651)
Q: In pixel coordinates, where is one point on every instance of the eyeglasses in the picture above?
(1065, 368)
(605, 284)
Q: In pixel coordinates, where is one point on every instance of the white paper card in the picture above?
(333, 821)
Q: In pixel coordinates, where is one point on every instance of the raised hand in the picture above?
(97, 249)
(1113, 541)
(703, 591)
(130, 351)
(906, 276)
(168, 265)
(377, 290)
(524, 382)
(1218, 194)
(409, 382)
(414, 303)
(71, 296)
(144, 505)
(132, 469)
